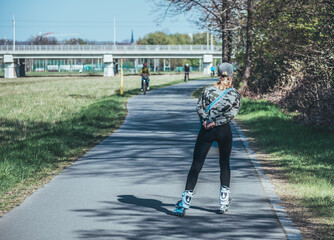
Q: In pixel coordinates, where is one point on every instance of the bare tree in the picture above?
(217, 16)
(224, 17)
(42, 40)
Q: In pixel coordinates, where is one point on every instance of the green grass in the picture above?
(47, 123)
(305, 155)
(197, 93)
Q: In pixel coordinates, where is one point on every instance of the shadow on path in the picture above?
(142, 202)
(132, 217)
(154, 204)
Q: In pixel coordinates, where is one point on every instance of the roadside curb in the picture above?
(288, 226)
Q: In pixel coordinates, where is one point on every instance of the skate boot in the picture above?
(224, 199)
(182, 205)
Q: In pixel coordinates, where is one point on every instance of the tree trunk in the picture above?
(223, 44)
(249, 48)
(229, 38)
(224, 33)
(229, 42)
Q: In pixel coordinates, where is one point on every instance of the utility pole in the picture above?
(114, 31)
(13, 32)
(121, 87)
(207, 40)
(211, 42)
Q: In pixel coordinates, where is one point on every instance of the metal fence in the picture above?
(110, 48)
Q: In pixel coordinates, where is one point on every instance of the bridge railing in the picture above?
(110, 48)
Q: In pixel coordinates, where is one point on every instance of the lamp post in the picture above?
(13, 32)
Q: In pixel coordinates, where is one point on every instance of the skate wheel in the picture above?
(179, 213)
(220, 211)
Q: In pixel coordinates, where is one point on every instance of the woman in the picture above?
(216, 107)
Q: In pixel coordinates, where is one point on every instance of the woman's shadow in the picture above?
(152, 203)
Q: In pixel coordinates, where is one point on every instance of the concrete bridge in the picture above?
(14, 59)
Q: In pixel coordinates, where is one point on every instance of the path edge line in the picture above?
(290, 229)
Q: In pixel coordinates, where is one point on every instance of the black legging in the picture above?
(221, 134)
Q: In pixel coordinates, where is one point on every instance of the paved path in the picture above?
(126, 186)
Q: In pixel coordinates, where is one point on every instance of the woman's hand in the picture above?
(209, 126)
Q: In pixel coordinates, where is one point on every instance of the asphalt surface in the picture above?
(126, 187)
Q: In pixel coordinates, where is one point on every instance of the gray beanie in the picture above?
(225, 69)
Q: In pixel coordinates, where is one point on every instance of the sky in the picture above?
(87, 19)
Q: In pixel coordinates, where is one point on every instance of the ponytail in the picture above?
(229, 79)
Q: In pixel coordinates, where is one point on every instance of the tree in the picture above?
(224, 17)
(74, 41)
(157, 38)
(42, 40)
(249, 48)
(216, 16)
(292, 56)
(5, 41)
(161, 38)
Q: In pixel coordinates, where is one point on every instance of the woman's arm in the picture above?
(201, 106)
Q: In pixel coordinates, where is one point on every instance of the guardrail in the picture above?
(115, 48)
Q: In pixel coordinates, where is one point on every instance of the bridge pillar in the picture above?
(156, 64)
(207, 64)
(9, 66)
(136, 65)
(108, 66)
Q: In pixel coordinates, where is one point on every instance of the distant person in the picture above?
(213, 71)
(216, 107)
(186, 72)
(145, 73)
(116, 68)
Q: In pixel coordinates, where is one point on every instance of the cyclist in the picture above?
(145, 73)
(186, 71)
(212, 71)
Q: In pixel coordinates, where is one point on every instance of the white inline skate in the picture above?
(224, 199)
(182, 205)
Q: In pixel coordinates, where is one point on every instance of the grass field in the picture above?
(47, 123)
(300, 157)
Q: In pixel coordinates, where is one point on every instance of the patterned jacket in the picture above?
(223, 111)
